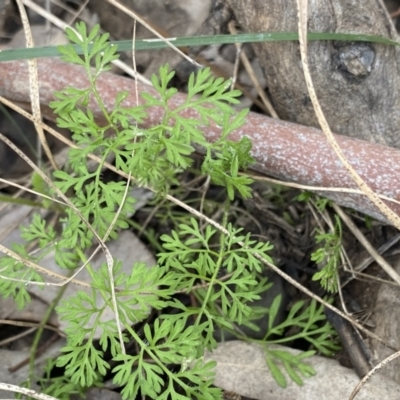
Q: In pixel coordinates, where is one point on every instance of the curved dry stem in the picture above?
(132, 14)
(372, 372)
(34, 86)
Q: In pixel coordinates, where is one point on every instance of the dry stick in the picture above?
(34, 86)
(68, 142)
(368, 261)
(248, 67)
(395, 14)
(18, 336)
(31, 264)
(256, 128)
(75, 13)
(25, 189)
(362, 239)
(317, 188)
(31, 324)
(106, 251)
(132, 14)
(370, 373)
(63, 25)
(40, 351)
(383, 208)
(27, 392)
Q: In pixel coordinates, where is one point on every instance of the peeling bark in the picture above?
(284, 150)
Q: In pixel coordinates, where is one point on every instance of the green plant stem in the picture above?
(154, 357)
(95, 92)
(98, 176)
(25, 202)
(215, 274)
(39, 333)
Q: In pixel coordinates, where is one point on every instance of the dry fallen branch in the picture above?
(284, 150)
